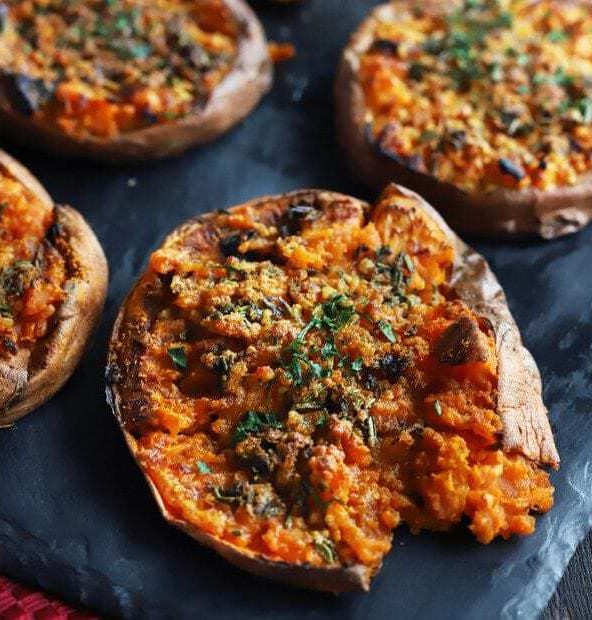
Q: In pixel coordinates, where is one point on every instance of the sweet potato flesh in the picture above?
(102, 68)
(483, 94)
(280, 376)
(32, 270)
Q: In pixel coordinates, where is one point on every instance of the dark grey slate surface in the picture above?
(75, 516)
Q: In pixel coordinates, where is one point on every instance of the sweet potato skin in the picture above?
(54, 358)
(500, 213)
(234, 98)
(526, 428)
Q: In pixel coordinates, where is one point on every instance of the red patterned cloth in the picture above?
(20, 603)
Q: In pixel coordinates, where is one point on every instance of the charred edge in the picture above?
(412, 163)
(27, 94)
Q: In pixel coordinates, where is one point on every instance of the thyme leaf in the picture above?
(179, 357)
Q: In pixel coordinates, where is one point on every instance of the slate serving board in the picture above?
(76, 517)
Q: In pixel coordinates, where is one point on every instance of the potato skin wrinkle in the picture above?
(53, 281)
(482, 107)
(129, 80)
(298, 375)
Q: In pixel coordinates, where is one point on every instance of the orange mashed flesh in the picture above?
(105, 67)
(32, 271)
(484, 93)
(290, 394)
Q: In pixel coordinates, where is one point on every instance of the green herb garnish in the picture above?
(179, 357)
(371, 431)
(438, 408)
(357, 364)
(555, 36)
(203, 468)
(387, 331)
(254, 422)
(326, 548)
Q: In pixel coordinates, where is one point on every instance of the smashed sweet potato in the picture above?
(299, 375)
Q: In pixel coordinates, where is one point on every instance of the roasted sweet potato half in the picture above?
(53, 280)
(298, 375)
(128, 80)
(484, 107)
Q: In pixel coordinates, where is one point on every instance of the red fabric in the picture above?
(20, 603)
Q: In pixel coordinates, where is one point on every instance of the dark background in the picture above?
(76, 517)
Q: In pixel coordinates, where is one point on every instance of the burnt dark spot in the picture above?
(112, 374)
(9, 344)
(149, 117)
(361, 249)
(415, 163)
(575, 146)
(370, 382)
(296, 215)
(507, 166)
(417, 71)
(385, 47)
(392, 366)
(55, 231)
(229, 246)
(28, 94)
(456, 139)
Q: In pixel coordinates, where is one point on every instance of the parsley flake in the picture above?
(387, 331)
(179, 357)
(254, 422)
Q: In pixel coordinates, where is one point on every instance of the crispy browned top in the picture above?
(296, 378)
(32, 270)
(103, 67)
(483, 93)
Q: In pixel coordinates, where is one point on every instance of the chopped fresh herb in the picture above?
(254, 422)
(408, 262)
(308, 405)
(370, 424)
(5, 311)
(326, 548)
(203, 468)
(584, 106)
(428, 136)
(331, 315)
(3, 205)
(438, 408)
(555, 36)
(322, 418)
(234, 268)
(496, 72)
(387, 331)
(236, 533)
(179, 357)
(336, 313)
(357, 364)
(229, 496)
(329, 350)
(18, 277)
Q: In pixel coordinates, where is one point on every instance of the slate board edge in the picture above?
(99, 593)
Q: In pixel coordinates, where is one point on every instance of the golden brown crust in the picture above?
(32, 377)
(526, 428)
(503, 212)
(332, 579)
(232, 100)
